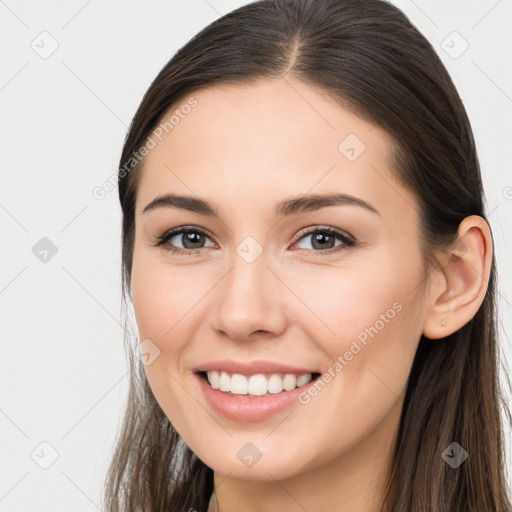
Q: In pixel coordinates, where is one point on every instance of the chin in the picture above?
(251, 461)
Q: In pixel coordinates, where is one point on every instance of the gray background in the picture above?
(63, 117)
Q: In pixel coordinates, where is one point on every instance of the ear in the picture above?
(457, 290)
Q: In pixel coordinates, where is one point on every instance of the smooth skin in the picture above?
(244, 149)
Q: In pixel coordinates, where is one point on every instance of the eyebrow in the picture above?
(290, 206)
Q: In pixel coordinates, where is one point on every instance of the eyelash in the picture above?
(348, 241)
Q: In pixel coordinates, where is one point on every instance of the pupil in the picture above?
(189, 237)
(321, 236)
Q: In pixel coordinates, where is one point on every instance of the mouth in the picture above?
(256, 385)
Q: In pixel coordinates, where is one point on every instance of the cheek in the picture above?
(368, 320)
(150, 304)
(346, 303)
(163, 305)
(371, 324)
(161, 297)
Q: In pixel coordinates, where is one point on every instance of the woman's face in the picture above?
(259, 283)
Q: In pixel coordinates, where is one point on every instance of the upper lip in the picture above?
(251, 367)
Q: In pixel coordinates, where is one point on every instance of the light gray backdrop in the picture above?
(72, 75)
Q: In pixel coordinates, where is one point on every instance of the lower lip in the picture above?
(247, 408)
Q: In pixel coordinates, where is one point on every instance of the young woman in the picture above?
(312, 274)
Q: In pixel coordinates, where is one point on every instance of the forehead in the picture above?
(278, 116)
(278, 137)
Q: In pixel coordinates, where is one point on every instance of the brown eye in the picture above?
(190, 238)
(324, 240)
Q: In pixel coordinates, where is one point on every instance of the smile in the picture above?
(258, 384)
(248, 406)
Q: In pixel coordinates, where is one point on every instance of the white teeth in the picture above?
(213, 379)
(303, 379)
(256, 385)
(224, 382)
(239, 384)
(275, 384)
(290, 382)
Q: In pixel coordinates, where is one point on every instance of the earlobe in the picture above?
(458, 288)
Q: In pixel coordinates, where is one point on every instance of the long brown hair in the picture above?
(367, 54)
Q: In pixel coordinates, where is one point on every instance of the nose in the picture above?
(250, 301)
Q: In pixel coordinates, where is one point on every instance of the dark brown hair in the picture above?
(367, 55)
